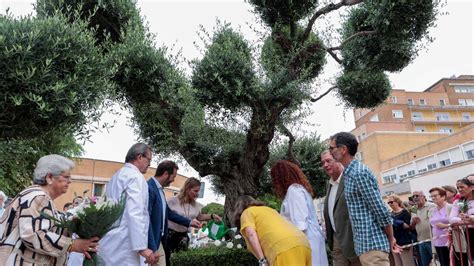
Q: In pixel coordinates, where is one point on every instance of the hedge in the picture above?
(208, 256)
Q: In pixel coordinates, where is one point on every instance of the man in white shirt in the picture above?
(336, 215)
(128, 243)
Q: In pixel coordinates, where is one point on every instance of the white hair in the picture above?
(4, 197)
(50, 164)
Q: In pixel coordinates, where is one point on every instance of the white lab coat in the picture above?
(298, 208)
(121, 245)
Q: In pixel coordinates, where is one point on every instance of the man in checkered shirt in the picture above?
(370, 218)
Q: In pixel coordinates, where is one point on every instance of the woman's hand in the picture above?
(85, 246)
(216, 218)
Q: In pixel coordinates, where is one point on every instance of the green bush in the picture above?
(213, 208)
(221, 256)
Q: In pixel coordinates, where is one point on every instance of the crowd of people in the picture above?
(358, 226)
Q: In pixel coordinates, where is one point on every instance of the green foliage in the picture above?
(277, 56)
(108, 18)
(213, 208)
(53, 77)
(271, 200)
(363, 89)
(210, 256)
(18, 158)
(307, 151)
(283, 11)
(398, 25)
(225, 78)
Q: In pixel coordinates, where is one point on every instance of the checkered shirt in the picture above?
(367, 211)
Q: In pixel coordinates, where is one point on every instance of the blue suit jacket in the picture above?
(155, 210)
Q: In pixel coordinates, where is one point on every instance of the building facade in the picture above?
(418, 140)
(90, 176)
(446, 106)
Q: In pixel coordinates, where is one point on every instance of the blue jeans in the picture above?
(425, 253)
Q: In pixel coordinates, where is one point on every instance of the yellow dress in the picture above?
(282, 243)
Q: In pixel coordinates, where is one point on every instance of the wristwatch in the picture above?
(263, 261)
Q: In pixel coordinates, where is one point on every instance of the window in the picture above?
(442, 116)
(444, 159)
(466, 102)
(422, 102)
(464, 89)
(374, 118)
(431, 163)
(98, 190)
(469, 150)
(410, 101)
(393, 99)
(420, 129)
(397, 113)
(455, 155)
(442, 102)
(421, 166)
(389, 176)
(417, 116)
(446, 130)
(466, 116)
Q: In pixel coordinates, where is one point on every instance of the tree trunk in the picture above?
(234, 187)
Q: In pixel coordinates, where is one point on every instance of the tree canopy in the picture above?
(223, 117)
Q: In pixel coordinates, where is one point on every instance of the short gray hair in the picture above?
(135, 150)
(50, 164)
(4, 197)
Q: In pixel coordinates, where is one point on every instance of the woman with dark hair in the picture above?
(271, 238)
(27, 237)
(185, 204)
(401, 231)
(439, 221)
(290, 184)
(462, 210)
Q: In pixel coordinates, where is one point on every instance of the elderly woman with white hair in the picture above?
(3, 198)
(27, 236)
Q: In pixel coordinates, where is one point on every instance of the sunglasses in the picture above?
(390, 202)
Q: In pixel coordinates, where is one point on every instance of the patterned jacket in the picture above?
(29, 238)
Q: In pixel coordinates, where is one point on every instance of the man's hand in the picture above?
(150, 258)
(415, 220)
(394, 247)
(195, 223)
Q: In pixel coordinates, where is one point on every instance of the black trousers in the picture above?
(443, 255)
(176, 241)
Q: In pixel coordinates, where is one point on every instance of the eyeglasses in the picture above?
(332, 148)
(390, 202)
(416, 196)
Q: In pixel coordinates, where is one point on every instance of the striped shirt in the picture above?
(367, 211)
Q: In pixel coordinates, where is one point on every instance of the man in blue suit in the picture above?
(160, 213)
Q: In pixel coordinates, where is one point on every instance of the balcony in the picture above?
(442, 107)
(423, 121)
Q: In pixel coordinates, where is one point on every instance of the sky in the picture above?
(176, 23)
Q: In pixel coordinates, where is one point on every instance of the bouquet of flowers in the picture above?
(92, 218)
(463, 206)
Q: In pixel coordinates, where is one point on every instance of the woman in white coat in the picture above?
(290, 184)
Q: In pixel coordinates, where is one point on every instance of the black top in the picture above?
(401, 234)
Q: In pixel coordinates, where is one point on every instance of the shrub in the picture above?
(221, 256)
(213, 208)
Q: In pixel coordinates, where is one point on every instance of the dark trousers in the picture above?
(443, 255)
(176, 241)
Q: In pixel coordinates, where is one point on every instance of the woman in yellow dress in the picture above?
(271, 239)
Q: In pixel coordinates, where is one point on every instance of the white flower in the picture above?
(238, 237)
(230, 245)
(217, 243)
(239, 246)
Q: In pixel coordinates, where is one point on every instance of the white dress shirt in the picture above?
(332, 200)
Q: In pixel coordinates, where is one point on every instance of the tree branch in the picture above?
(291, 141)
(360, 33)
(329, 8)
(334, 55)
(322, 95)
